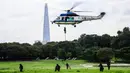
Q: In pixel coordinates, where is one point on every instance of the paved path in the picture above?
(112, 65)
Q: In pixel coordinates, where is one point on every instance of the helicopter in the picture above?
(72, 18)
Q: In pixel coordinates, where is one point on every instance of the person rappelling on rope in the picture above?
(65, 32)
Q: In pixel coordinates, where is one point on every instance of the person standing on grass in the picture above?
(108, 64)
(67, 66)
(101, 67)
(57, 68)
(21, 67)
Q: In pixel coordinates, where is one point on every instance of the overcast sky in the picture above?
(22, 20)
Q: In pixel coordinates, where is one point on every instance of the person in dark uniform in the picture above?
(108, 65)
(21, 67)
(67, 66)
(101, 67)
(57, 68)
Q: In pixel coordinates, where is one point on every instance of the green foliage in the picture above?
(90, 54)
(37, 43)
(62, 54)
(125, 52)
(105, 53)
(85, 47)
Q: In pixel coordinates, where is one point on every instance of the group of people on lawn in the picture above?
(57, 67)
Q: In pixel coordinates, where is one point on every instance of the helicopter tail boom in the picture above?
(101, 15)
(89, 18)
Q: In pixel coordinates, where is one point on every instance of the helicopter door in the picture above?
(65, 18)
(62, 18)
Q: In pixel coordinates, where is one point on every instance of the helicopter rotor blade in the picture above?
(82, 11)
(75, 5)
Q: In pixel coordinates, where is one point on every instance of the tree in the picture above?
(61, 54)
(126, 30)
(34, 51)
(125, 53)
(68, 54)
(119, 32)
(49, 50)
(122, 40)
(90, 54)
(105, 54)
(37, 43)
(15, 52)
(77, 51)
(68, 47)
(87, 41)
(105, 40)
(3, 51)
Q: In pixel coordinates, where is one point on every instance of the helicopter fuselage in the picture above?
(72, 20)
(68, 20)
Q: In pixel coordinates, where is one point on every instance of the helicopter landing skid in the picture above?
(74, 25)
(58, 25)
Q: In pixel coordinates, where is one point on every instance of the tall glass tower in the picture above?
(46, 28)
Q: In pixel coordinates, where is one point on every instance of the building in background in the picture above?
(46, 27)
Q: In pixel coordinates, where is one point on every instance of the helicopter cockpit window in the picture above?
(58, 18)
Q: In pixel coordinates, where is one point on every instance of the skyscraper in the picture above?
(46, 28)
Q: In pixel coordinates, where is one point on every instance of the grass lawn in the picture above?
(47, 66)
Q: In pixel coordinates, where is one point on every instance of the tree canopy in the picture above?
(89, 47)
